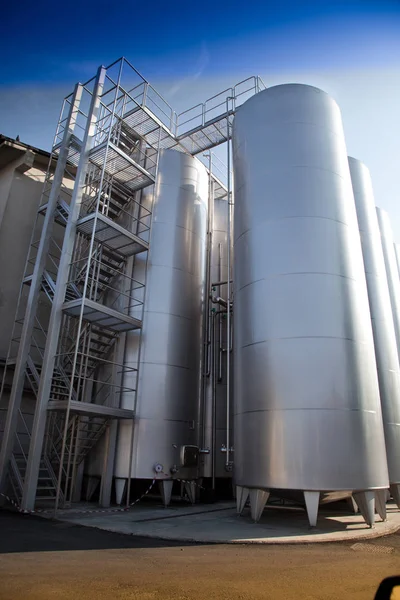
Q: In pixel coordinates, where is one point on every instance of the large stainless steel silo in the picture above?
(165, 428)
(387, 360)
(394, 292)
(307, 408)
(397, 253)
(389, 254)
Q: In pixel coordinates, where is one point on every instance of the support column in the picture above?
(366, 504)
(92, 483)
(120, 488)
(166, 491)
(77, 494)
(395, 491)
(34, 293)
(380, 503)
(352, 504)
(39, 423)
(312, 503)
(190, 489)
(258, 500)
(242, 493)
(112, 430)
(108, 464)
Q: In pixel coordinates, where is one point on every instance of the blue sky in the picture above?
(190, 51)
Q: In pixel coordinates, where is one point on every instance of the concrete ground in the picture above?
(42, 560)
(219, 523)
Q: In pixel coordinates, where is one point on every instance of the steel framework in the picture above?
(79, 294)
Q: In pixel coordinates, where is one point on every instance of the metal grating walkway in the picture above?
(206, 136)
(111, 234)
(122, 167)
(101, 315)
(90, 409)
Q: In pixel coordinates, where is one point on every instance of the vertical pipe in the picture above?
(219, 317)
(213, 404)
(220, 348)
(228, 315)
(207, 350)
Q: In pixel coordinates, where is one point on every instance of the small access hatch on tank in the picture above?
(190, 456)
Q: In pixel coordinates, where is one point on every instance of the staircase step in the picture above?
(112, 255)
(106, 271)
(45, 498)
(103, 333)
(101, 343)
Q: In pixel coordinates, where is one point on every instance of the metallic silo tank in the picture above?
(394, 293)
(391, 269)
(381, 314)
(307, 408)
(169, 378)
(397, 253)
(214, 417)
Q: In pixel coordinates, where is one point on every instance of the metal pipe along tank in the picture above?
(307, 408)
(170, 360)
(215, 382)
(381, 313)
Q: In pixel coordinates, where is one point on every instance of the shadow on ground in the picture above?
(27, 533)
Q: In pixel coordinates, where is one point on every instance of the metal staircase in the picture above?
(92, 222)
(47, 481)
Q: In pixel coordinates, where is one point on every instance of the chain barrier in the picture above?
(99, 510)
(87, 511)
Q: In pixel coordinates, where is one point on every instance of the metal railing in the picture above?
(217, 106)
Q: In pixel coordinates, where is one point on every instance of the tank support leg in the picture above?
(120, 486)
(366, 504)
(312, 502)
(395, 491)
(91, 487)
(242, 493)
(258, 500)
(190, 489)
(352, 504)
(380, 503)
(166, 491)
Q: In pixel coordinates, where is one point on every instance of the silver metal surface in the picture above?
(169, 369)
(228, 462)
(311, 500)
(381, 313)
(307, 409)
(258, 500)
(397, 253)
(391, 269)
(380, 503)
(366, 503)
(242, 495)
